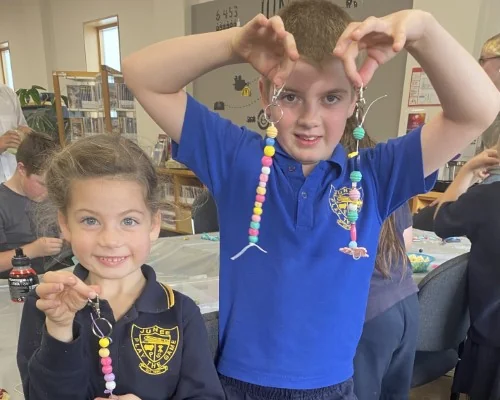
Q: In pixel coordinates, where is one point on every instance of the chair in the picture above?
(444, 320)
(205, 217)
(212, 324)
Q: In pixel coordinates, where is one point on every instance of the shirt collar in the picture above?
(336, 160)
(154, 299)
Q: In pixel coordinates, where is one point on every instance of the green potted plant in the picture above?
(40, 110)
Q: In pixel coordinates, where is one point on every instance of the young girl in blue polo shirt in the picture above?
(292, 312)
(110, 329)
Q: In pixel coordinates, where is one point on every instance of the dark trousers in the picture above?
(383, 365)
(238, 390)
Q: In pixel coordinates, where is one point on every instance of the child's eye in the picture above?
(331, 99)
(288, 97)
(130, 222)
(89, 221)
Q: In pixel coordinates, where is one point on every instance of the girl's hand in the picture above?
(62, 295)
(381, 38)
(266, 45)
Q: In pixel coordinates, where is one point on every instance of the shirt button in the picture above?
(291, 168)
(304, 195)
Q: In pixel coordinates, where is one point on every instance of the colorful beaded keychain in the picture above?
(354, 203)
(267, 162)
(104, 342)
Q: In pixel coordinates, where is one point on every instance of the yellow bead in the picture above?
(269, 151)
(257, 211)
(261, 190)
(353, 154)
(104, 353)
(104, 342)
(258, 204)
(271, 131)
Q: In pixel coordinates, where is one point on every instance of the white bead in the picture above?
(266, 170)
(352, 207)
(262, 184)
(111, 385)
(354, 184)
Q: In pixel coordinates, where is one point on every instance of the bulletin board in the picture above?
(233, 91)
(422, 92)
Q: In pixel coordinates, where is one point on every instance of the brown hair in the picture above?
(100, 156)
(34, 152)
(390, 248)
(316, 26)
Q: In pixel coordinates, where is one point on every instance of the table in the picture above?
(188, 264)
(432, 245)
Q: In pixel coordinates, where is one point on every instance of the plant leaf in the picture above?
(36, 87)
(35, 96)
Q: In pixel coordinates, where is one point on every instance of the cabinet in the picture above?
(89, 103)
(178, 191)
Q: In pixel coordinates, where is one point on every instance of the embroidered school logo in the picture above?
(155, 347)
(338, 200)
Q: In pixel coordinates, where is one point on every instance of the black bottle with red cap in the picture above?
(22, 278)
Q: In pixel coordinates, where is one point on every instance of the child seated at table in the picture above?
(18, 196)
(474, 212)
(153, 338)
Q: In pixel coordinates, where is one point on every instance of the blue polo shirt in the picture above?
(291, 318)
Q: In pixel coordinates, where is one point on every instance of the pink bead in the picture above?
(353, 232)
(106, 361)
(263, 178)
(260, 198)
(253, 232)
(262, 184)
(267, 161)
(109, 377)
(256, 218)
(107, 369)
(354, 194)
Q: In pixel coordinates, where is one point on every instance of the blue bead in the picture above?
(254, 225)
(270, 142)
(353, 244)
(253, 239)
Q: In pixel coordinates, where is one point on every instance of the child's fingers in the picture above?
(277, 26)
(370, 25)
(351, 70)
(399, 38)
(367, 70)
(345, 39)
(288, 61)
(258, 22)
(48, 290)
(47, 304)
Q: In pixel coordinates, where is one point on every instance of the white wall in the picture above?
(470, 22)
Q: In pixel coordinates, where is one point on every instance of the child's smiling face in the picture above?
(109, 226)
(316, 103)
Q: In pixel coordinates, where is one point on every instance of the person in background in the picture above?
(17, 200)
(474, 212)
(383, 364)
(13, 127)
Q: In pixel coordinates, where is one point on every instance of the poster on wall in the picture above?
(421, 91)
(415, 119)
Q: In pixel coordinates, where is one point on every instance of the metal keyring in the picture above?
(268, 119)
(101, 334)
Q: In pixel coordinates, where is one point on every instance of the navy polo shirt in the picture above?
(160, 351)
(291, 317)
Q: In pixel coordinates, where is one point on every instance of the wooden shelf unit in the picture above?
(423, 200)
(177, 209)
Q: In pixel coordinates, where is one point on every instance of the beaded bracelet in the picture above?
(267, 162)
(104, 342)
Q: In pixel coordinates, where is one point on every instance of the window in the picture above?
(5, 65)
(109, 46)
(102, 43)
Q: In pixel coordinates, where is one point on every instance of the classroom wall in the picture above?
(470, 22)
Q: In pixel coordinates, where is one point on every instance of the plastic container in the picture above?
(22, 278)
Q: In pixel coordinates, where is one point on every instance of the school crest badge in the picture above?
(155, 347)
(339, 199)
